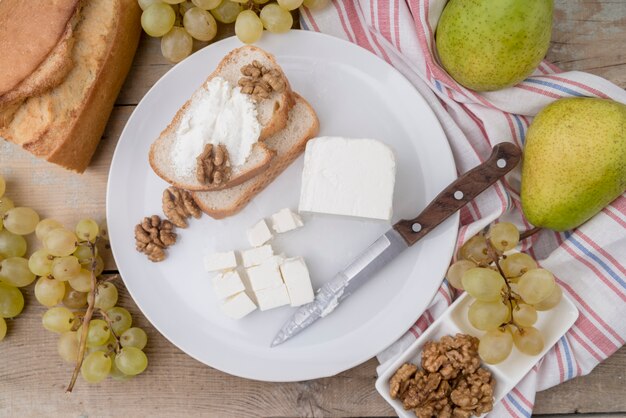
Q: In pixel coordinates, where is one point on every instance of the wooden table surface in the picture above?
(588, 35)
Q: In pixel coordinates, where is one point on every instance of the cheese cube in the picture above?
(220, 261)
(352, 177)
(272, 297)
(285, 220)
(259, 234)
(256, 256)
(238, 306)
(296, 277)
(264, 275)
(227, 284)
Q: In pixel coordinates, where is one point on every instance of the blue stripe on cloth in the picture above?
(554, 86)
(568, 357)
(522, 134)
(438, 85)
(598, 261)
(303, 24)
(518, 406)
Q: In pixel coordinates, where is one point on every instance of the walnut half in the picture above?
(153, 236)
(178, 205)
(213, 165)
(260, 81)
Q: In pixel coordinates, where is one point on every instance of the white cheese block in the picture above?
(264, 275)
(259, 234)
(220, 261)
(352, 177)
(227, 284)
(256, 256)
(272, 297)
(296, 277)
(238, 306)
(285, 220)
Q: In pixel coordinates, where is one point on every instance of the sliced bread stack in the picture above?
(287, 123)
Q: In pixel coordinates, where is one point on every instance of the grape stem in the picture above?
(91, 302)
(107, 318)
(529, 233)
(493, 254)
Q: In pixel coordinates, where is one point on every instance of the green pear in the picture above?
(492, 44)
(574, 161)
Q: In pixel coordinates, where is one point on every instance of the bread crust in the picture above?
(277, 166)
(277, 123)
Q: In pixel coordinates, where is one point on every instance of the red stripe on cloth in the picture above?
(620, 204)
(604, 279)
(445, 294)
(396, 18)
(601, 251)
(559, 358)
(521, 396)
(415, 333)
(614, 217)
(343, 22)
(372, 15)
(584, 344)
(508, 408)
(310, 18)
(552, 67)
(384, 26)
(357, 26)
(509, 120)
(536, 90)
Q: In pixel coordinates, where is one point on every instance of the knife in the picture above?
(504, 157)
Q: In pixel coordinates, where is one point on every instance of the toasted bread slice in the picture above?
(288, 144)
(272, 115)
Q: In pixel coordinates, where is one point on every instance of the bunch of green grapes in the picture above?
(15, 222)
(179, 22)
(510, 289)
(68, 268)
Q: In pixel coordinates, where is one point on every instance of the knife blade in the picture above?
(504, 157)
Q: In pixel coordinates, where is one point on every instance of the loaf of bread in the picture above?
(59, 111)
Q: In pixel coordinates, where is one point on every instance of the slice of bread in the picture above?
(272, 114)
(288, 144)
(65, 124)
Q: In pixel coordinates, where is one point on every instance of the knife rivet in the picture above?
(501, 163)
(416, 227)
(458, 195)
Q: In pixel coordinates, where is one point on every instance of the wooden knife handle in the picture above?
(504, 157)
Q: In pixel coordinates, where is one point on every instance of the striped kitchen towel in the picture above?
(589, 262)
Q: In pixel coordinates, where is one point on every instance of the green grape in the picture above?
(456, 271)
(524, 315)
(11, 301)
(96, 367)
(487, 316)
(172, 1)
(290, 4)
(65, 268)
(483, 284)
(200, 24)
(536, 285)
(3, 187)
(315, 4)
(99, 265)
(207, 4)
(58, 319)
(495, 346)
(176, 45)
(15, 271)
(504, 236)
(260, 1)
(60, 242)
(131, 361)
(3, 328)
(134, 337)
(83, 253)
(116, 374)
(98, 333)
(49, 292)
(227, 11)
(158, 19)
(5, 205)
(44, 226)
(276, 19)
(551, 301)
(87, 230)
(21, 220)
(11, 245)
(120, 318)
(40, 263)
(67, 347)
(82, 281)
(516, 264)
(74, 299)
(528, 340)
(144, 4)
(248, 27)
(475, 249)
(106, 296)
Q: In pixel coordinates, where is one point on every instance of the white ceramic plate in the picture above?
(355, 94)
(553, 325)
